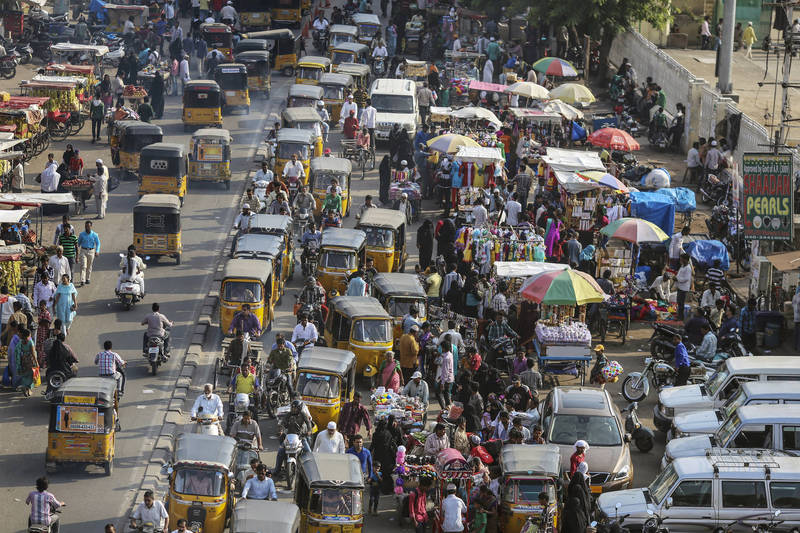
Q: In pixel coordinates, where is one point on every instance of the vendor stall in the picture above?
(406, 410)
(494, 93)
(146, 76)
(477, 167)
(10, 267)
(24, 117)
(82, 54)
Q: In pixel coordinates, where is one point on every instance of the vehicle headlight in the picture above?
(668, 411)
(622, 474)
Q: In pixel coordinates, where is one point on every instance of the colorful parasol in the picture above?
(562, 287)
(603, 178)
(634, 230)
(450, 143)
(613, 139)
(555, 66)
(573, 93)
(529, 90)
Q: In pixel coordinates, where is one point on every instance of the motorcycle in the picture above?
(206, 424)
(301, 219)
(241, 404)
(659, 138)
(44, 528)
(502, 348)
(244, 454)
(713, 190)
(129, 293)
(379, 66)
(654, 524)
(642, 436)
(293, 185)
(636, 385)
(320, 40)
(155, 352)
(310, 258)
(607, 525)
(276, 393)
(146, 527)
(293, 445)
(8, 67)
(661, 344)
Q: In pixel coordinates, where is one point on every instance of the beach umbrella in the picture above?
(613, 139)
(449, 143)
(472, 112)
(603, 178)
(562, 287)
(573, 93)
(560, 108)
(555, 66)
(635, 230)
(529, 90)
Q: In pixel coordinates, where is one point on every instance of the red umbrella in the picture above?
(614, 139)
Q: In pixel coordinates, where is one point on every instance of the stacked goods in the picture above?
(574, 333)
(60, 99)
(76, 184)
(134, 91)
(5, 96)
(10, 275)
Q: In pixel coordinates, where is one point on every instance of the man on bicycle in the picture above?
(363, 139)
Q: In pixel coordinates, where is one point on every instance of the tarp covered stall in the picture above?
(525, 269)
(565, 163)
(685, 201)
(705, 252)
(656, 208)
(483, 155)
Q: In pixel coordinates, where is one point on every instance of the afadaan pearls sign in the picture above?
(767, 196)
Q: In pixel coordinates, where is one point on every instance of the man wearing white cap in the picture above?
(453, 511)
(242, 221)
(348, 106)
(417, 388)
(713, 158)
(578, 457)
(100, 185)
(330, 441)
(228, 14)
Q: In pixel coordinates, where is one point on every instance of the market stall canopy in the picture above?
(479, 154)
(476, 85)
(97, 49)
(12, 252)
(573, 93)
(657, 208)
(534, 115)
(565, 163)
(528, 90)
(560, 108)
(450, 143)
(685, 201)
(562, 287)
(525, 269)
(603, 178)
(635, 230)
(12, 216)
(613, 139)
(9, 144)
(36, 199)
(704, 252)
(473, 113)
(555, 66)
(785, 262)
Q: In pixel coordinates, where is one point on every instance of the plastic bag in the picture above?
(37, 378)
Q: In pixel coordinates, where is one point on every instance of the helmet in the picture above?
(311, 280)
(297, 405)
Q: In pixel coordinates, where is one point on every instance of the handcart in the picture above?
(226, 364)
(63, 107)
(615, 314)
(81, 189)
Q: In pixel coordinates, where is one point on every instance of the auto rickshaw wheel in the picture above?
(227, 185)
(109, 467)
(178, 259)
(115, 158)
(247, 110)
(288, 71)
(182, 198)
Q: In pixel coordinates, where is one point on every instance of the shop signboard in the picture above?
(767, 196)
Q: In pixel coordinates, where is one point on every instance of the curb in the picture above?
(174, 416)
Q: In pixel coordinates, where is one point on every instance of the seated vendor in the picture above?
(10, 234)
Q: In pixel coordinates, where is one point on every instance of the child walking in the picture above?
(375, 487)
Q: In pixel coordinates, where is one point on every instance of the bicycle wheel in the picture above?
(372, 159)
(362, 162)
(59, 131)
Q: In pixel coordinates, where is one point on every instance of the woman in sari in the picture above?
(554, 227)
(42, 332)
(25, 356)
(390, 375)
(65, 303)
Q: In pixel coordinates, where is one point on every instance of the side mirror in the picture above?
(777, 513)
(617, 505)
(627, 438)
(668, 503)
(593, 524)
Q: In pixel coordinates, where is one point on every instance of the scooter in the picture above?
(42, 528)
(293, 445)
(379, 66)
(241, 404)
(310, 258)
(207, 424)
(609, 525)
(642, 436)
(8, 67)
(654, 524)
(155, 352)
(276, 391)
(244, 454)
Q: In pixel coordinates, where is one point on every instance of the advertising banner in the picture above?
(767, 196)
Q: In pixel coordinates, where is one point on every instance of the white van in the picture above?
(753, 393)
(772, 427)
(715, 491)
(721, 386)
(396, 103)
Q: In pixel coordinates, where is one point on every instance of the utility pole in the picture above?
(788, 37)
(726, 48)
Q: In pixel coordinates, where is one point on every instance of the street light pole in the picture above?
(726, 47)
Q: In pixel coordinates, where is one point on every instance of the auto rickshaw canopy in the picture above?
(270, 224)
(217, 35)
(357, 70)
(252, 269)
(295, 135)
(301, 90)
(359, 306)
(165, 149)
(314, 61)
(326, 360)
(333, 470)
(525, 459)
(98, 392)
(250, 57)
(398, 284)
(382, 218)
(261, 516)
(217, 134)
(343, 238)
(285, 41)
(248, 45)
(293, 115)
(332, 165)
(256, 246)
(201, 86)
(135, 135)
(210, 450)
(168, 201)
(358, 49)
(343, 29)
(336, 78)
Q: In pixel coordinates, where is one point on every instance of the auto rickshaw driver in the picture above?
(245, 320)
(293, 169)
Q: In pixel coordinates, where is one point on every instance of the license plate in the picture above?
(255, 15)
(230, 93)
(153, 351)
(207, 166)
(596, 489)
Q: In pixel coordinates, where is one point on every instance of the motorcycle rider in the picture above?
(320, 26)
(43, 506)
(297, 423)
(246, 321)
(326, 118)
(708, 347)
(246, 429)
(304, 200)
(152, 511)
(305, 332)
(498, 329)
(131, 267)
(110, 364)
(208, 402)
(293, 169)
(281, 357)
(157, 326)
(310, 235)
(379, 53)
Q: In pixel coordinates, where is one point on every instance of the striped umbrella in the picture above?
(613, 139)
(562, 287)
(450, 142)
(555, 66)
(634, 230)
(603, 178)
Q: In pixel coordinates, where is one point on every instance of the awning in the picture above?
(36, 199)
(476, 85)
(562, 159)
(786, 261)
(525, 269)
(12, 216)
(8, 145)
(479, 154)
(574, 184)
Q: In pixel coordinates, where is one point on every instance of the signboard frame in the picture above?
(767, 192)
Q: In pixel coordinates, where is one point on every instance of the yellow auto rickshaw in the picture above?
(323, 170)
(368, 25)
(254, 15)
(162, 169)
(397, 293)
(83, 423)
(246, 281)
(293, 141)
(287, 12)
(349, 53)
(218, 36)
(310, 68)
(329, 493)
(232, 80)
(127, 138)
(200, 486)
(281, 226)
(527, 471)
(265, 516)
(360, 73)
(157, 226)
(304, 118)
(336, 86)
(202, 104)
(210, 156)
(341, 251)
(249, 44)
(361, 325)
(304, 95)
(386, 238)
(326, 379)
(259, 72)
(267, 248)
(283, 46)
(342, 33)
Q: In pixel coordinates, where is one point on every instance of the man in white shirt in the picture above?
(380, 50)
(320, 23)
(330, 441)
(713, 157)
(17, 176)
(454, 510)
(242, 220)
(50, 176)
(661, 287)
(479, 214)
(169, 11)
(209, 403)
(228, 14)
(676, 247)
(457, 46)
(684, 283)
(293, 169)
(183, 72)
(129, 27)
(693, 164)
(367, 120)
(60, 265)
(44, 290)
(710, 297)
(6, 308)
(348, 106)
(151, 510)
(455, 337)
(100, 186)
(513, 209)
(306, 331)
(263, 176)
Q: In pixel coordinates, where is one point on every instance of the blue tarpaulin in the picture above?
(653, 207)
(98, 7)
(684, 198)
(704, 252)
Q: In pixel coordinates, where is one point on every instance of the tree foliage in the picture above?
(592, 16)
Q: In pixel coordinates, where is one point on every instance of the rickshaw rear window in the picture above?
(333, 92)
(528, 489)
(377, 330)
(285, 150)
(242, 291)
(218, 40)
(137, 142)
(201, 99)
(309, 73)
(401, 307)
(379, 237)
(339, 259)
(317, 386)
(198, 482)
(156, 222)
(339, 38)
(342, 57)
(80, 419)
(235, 81)
(336, 502)
(367, 30)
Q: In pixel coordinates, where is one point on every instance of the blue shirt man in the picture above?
(309, 236)
(89, 239)
(260, 487)
(357, 286)
(421, 137)
(681, 355)
(364, 457)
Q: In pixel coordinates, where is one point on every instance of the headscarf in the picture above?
(583, 468)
